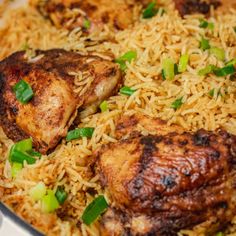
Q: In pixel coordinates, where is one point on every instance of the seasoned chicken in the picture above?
(62, 82)
(162, 182)
(70, 14)
(186, 7)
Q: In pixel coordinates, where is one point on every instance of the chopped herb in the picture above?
(94, 210)
(204, 44)
(24, 145)
(23, 91)
(163, 75)
(49, 202)
(211, 26)
(61, 195)
(15, 169)
(211, 92)
(150, 11)
(207, 70)
(231, 62)
(20, 157)
(183, 62)
(79, 133)
(20, 152)
(127, 57)
(38, 191)
(86, 24)
(219, 53)
(220, 234)
(176, 70)
(35, 154)
(235, 29)
(103, 106)
(168, 68)
(127, 91)
(203, 23)
(177, 103)
(227, 70)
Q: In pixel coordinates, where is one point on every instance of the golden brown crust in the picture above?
(172, 181)
(117, 13)
(47, 117)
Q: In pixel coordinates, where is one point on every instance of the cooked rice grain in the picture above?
(161, 37)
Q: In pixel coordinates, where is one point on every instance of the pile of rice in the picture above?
(161, 37)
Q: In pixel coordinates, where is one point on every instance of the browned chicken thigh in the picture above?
(58, 93)
(168, 180)
(186, 7)
(118, 14)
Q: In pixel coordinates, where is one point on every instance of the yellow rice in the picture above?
(161, 37)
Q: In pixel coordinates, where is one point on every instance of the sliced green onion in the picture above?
(203, 23)
(49, 202)
(211, 92)
(127, 91)
(219, 53)
(227, 70)
(168, 68)
(103, 106)
(61, 195)
(23, 91)
(235, 29)
(163, 75)
(183, 62)
(127, 57)
(177, 103)
(176, 70)
(38, 191)
(20, 157)
(220, 234)
(204, 44)
(207, 70)
(211, 26)
(16, 167)
(20, 152)
(24, 145)
(150, 11)
(231, 62)
(79, 133)
(35, 154)
(94, 210)
(86, 24)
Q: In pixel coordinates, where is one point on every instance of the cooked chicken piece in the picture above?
(70, 14)
(167, 181)
(134, 125)
(58, 93)
(186, 7)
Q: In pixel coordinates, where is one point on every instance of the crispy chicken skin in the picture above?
(186, 7)
(47, 117)
(117, 13)
(163, 182)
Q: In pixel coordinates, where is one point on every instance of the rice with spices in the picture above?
(161, 37)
